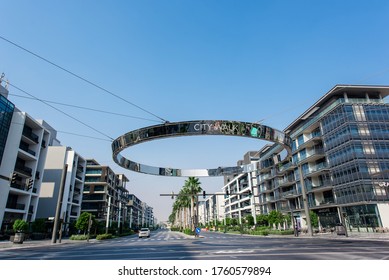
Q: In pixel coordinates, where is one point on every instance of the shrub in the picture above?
(188, 231)
(104, 236)
(81, 237)
(20, 225)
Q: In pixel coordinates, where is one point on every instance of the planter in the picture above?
(19, 238)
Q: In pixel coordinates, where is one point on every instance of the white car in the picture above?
(144, 232)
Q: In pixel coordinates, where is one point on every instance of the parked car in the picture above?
(144, 232)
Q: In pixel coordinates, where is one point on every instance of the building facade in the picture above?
(240, 191)
(23, 158)
(135, 211)
(339, 163)
(62, 159)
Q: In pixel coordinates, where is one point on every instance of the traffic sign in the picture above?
(198, 230)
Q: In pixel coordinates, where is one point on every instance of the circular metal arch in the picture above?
(192, 128)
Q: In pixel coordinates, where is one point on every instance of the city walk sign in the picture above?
(194, 128)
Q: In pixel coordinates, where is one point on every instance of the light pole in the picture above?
(59, 204)
(108, 213)
(305, 201)
(131, 217)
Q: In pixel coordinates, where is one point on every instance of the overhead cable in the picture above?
(81, 78)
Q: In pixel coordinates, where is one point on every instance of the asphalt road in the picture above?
(166, 245)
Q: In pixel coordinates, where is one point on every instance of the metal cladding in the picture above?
(193, 128)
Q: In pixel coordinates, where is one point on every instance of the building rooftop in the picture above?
(353, 91)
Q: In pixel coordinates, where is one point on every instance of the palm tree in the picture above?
(186, 200)
(192, 188)
(183, 203)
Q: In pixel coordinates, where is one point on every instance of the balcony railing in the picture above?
(289, 193)
(26, 149)
(18, 186)
(24, 170)
(284, 167)
(29, 134)
(316, 168)
(16, 206)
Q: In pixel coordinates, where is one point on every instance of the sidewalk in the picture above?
(8, 245)
(351, 236)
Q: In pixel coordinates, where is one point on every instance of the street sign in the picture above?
(198, 230)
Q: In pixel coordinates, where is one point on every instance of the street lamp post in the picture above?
(305, 201)
(108, 213)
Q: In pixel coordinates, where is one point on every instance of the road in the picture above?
(167, 245)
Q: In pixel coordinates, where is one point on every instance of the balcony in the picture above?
(286, 182)
(313, 141)
(290, 193)
(265, 189)
(16, 206)
(282, 168)
(30, 135)
(18, 186)
(323, 203)
(23, 170)
(25, 148)
(312, 155)
(316, 170)
(322, 186)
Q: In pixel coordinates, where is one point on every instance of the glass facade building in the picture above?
(339, 164)
(6, 112)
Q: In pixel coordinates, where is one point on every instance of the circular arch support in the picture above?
(193, 128)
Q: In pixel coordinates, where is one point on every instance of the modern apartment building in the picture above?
(211, 210)
(105, 194)
(123, 200)
(6, 109)
(339, 164)
(23, 158)
(147, 215)
(62, 161)
(240, 191)
(135, 211)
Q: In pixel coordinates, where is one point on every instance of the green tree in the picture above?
(250, 220)
(192, 188)
(262, 220)
(314, 219)
(83, 221)
(275, 217)
(39, 225)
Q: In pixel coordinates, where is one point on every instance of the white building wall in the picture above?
(58, 157)
(28, 198)
(383, 209)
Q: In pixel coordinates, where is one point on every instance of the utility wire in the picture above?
(81, 135)
(66, 114)
(85, 108)
(81, 78)
(71, 133)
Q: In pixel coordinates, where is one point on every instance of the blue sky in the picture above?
(186, 60)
